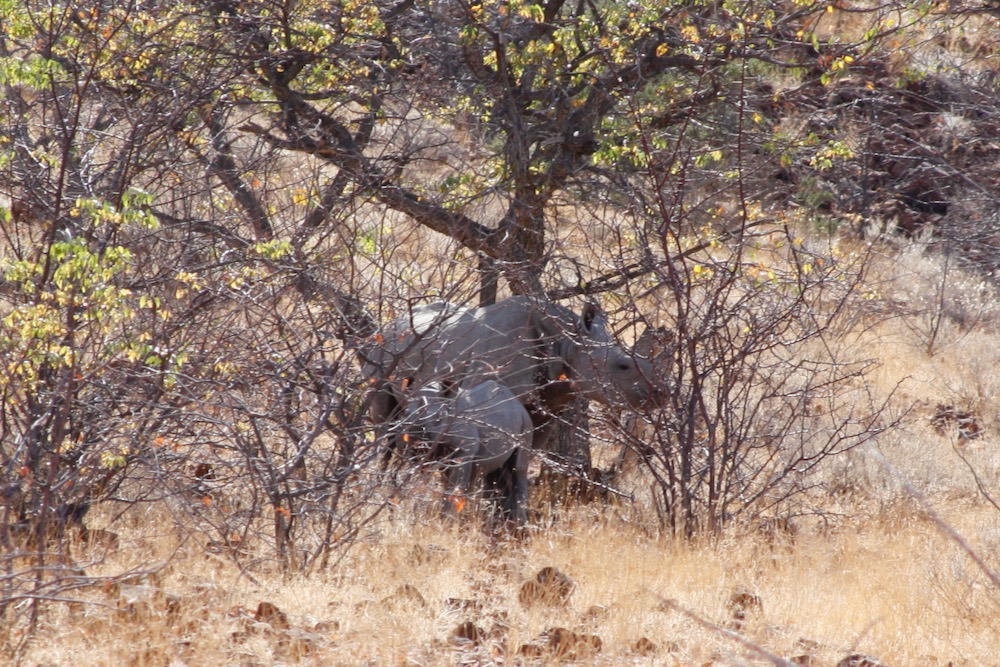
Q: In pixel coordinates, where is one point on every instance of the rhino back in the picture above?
(413, 341)
(493, 342)
(492, 405)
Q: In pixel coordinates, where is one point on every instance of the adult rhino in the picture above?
(544, 353)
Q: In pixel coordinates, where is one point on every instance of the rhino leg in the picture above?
(517, 510)
(383, 410)
(459, 475)
(506, 488)
(383, 402)
(544, 432)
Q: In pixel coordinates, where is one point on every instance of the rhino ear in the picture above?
(589, 315)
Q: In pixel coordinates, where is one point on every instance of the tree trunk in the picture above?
(489, 280)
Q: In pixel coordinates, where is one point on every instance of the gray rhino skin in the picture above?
(479, 429)
(545, 354)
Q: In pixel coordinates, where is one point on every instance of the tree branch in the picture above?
(465, 230)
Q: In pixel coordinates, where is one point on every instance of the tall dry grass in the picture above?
(887, 585)
(865, 572)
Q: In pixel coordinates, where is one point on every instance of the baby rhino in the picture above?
(478, 429)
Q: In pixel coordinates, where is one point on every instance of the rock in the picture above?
(643, 646)
(859, 660)
(743, 604)
(550, 587)
(569, 645)
(269, 613)
(405, 595)
(467, 634)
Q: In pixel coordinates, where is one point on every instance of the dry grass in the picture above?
(891, 586)
(869, 574)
